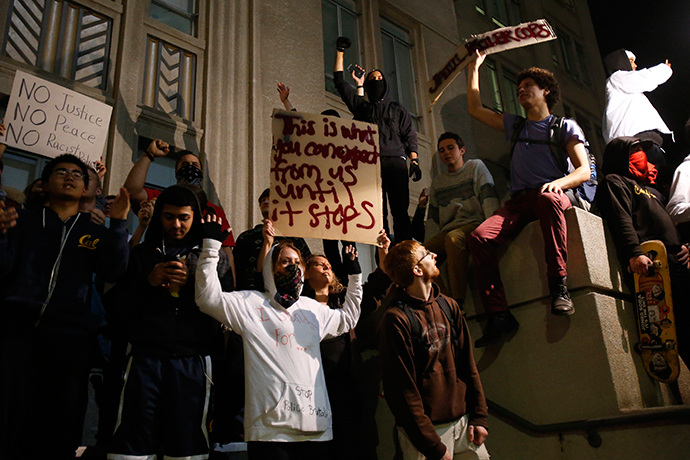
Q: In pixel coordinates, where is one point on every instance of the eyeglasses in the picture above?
(424, 257)
(62, 172)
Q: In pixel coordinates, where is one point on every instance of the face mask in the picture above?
(289, 285)
(375, 89)
(189, 174)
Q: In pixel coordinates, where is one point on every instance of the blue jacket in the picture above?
(47, 266)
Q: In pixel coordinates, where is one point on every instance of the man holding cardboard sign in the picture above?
(537, 192)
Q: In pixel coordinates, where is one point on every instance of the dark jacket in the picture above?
(634, 212)
(41, 248)
(157, 323)
(440, 386)
(397, 136)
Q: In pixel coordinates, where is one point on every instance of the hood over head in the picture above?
(175, 195)
(269, 277)
(377, 90)
(617, 155)
(618, 60)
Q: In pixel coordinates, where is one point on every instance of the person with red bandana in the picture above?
(634, 212)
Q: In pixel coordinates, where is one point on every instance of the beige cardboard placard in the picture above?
(50, 120)
(495, 41)
(325, 177)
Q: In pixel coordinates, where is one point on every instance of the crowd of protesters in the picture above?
(203, 339)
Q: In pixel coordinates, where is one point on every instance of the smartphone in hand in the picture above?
(359, 73)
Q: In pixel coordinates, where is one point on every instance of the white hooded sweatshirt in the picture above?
(286, 398)
(628, 111)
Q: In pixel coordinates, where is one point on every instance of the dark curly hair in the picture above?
(544, 80)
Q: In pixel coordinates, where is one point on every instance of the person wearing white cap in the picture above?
(628, 111)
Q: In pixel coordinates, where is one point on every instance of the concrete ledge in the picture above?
(561, 369)
(592, 262)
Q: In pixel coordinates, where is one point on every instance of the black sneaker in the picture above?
(499, 325)
(561, 304)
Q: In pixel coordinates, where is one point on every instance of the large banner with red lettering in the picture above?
(50, 120)
(491, 42)
(325, 178)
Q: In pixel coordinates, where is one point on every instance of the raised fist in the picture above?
(343, 43)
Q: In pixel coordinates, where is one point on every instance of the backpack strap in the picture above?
(415, 326)
(518, 125)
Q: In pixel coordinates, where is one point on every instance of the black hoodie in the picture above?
(634, 212)
(397, 136)
(159, 324)
(42, 248)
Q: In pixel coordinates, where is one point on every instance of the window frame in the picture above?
(409, 45)
(193, 17)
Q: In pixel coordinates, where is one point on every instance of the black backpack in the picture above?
(420, 346)
(583, 192)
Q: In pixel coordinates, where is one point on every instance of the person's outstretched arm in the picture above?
(137, 175)
(474, 99)
(284, 93)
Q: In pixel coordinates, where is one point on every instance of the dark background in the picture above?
(654, 30)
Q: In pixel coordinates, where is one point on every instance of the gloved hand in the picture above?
(343, 43)
(350, 261)
(211, 228)
(415, 170)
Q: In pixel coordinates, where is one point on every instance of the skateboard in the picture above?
(655, 320)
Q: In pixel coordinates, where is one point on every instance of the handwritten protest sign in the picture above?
(50, 120)
(325, 178)
(491, 42)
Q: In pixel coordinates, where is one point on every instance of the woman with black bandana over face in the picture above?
(397, 138)
(287, 411)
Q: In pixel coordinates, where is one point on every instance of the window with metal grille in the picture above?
(399, 69)
(169, 79)
(60, 37)
(180, 14)
(339, 20)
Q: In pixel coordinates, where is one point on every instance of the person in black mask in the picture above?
(397, 138)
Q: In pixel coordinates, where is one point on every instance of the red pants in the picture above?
(507, 222)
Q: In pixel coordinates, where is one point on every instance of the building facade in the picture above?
(201, 74)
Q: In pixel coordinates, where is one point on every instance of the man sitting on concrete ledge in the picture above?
(538, 186)
(634, 213)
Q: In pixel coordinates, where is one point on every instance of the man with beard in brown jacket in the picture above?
(430, 380)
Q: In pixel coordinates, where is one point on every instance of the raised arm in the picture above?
(2, 141)
(226, 307)
(284, 93)
(340, 320)
(474, 99)
(137, 175)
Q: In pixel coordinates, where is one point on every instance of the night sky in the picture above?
(655, 31)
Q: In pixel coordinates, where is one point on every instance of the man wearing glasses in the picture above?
(47, 261)
(430, 380)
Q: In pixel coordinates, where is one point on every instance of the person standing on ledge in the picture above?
(397, 137)
(628, 111)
